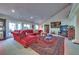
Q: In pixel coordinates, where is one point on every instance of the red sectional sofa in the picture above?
(26, 37)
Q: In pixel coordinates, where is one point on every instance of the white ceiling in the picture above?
(34, 12)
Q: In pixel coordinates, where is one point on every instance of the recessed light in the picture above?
(13, 11)
(31, 17)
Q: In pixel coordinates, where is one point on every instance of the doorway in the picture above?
(2, 29)
(46, 28)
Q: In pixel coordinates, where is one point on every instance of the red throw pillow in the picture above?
(22, 36)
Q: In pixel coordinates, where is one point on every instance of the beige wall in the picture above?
(74, 15)
(63, 22)
(61, 16)
(77, 30)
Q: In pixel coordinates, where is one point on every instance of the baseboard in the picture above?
(76, 43)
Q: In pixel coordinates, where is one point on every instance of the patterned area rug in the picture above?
(55, 46)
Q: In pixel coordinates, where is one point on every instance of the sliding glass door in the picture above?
(12, 26)
(19, 26)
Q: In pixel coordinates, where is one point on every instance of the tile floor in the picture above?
(11, 47)
(71, 48)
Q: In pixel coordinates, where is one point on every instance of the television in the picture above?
(55, 24)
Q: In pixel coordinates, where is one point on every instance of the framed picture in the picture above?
(55, 24)
(46, 28)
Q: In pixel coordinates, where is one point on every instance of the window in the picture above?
(19, 26)
(12, 26)
(27, 26)
(36, 27)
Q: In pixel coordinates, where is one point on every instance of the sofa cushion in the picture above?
(22, 36)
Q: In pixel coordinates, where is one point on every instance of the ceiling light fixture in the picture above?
(13, 11)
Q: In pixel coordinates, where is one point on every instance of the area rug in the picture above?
(53, 47)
